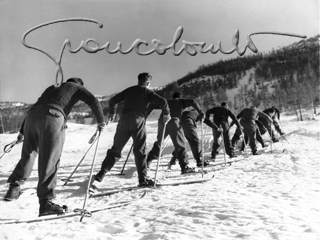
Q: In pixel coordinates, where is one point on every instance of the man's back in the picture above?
(136, 100)
(220, 114)
(177, 106)
(250, 114)
(272, 112)
(67, 95)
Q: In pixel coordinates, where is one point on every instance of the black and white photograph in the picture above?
(159, 120)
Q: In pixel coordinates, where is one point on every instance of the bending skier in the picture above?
(132, 124)
(220, 118)
(173, 128)
(248, 117)
(189, 121)
(274, 114)
(260, 129)
(44, 130)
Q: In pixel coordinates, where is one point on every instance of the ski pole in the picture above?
(165, 143)
(7, 148)
(92, 141)
(271, 140)
(285, 139)
(84, 212)
(224, 146)
(161, 142)
(246, 155)
(205, 130)
(202, 157)
(126, 160)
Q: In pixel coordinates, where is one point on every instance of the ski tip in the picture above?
(144, 194)
(66, 180)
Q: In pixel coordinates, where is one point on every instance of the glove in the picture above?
(166, 118)
(207, 121)
(101, 126)
(20, 137)
(111, 117)
(200, 117)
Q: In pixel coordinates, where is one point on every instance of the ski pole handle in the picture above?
(7, 148)
(93, 137)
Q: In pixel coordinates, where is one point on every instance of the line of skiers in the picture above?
(44, 128)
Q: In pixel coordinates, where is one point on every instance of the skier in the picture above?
(220, 118)
(274, 114)
(248, 117)
(173, 128)
(260, 130)
(189, 119)
(44, 130)
(132, 124)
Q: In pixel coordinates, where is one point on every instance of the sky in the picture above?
(25, 72)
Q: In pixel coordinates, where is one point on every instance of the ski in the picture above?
(110, 192)
(282, 137)
(172, 183)
(185, 175)
(177, 183)
(228, 162)
(75, 212)
(208, 169)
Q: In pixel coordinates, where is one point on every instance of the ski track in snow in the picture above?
(275, 195)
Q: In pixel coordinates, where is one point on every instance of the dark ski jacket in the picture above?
(221, 115)
(177, 106)
(64, 97)
(136, 99)
(251, 114)
(271, 110)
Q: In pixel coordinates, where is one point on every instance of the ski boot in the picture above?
(100, 175)
(146, 183)
(256, 153)
(47, 207)
(187, 169)
(172, 162)
(205, 163)
(13, 193)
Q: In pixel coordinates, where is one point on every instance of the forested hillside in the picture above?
(287, 77)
